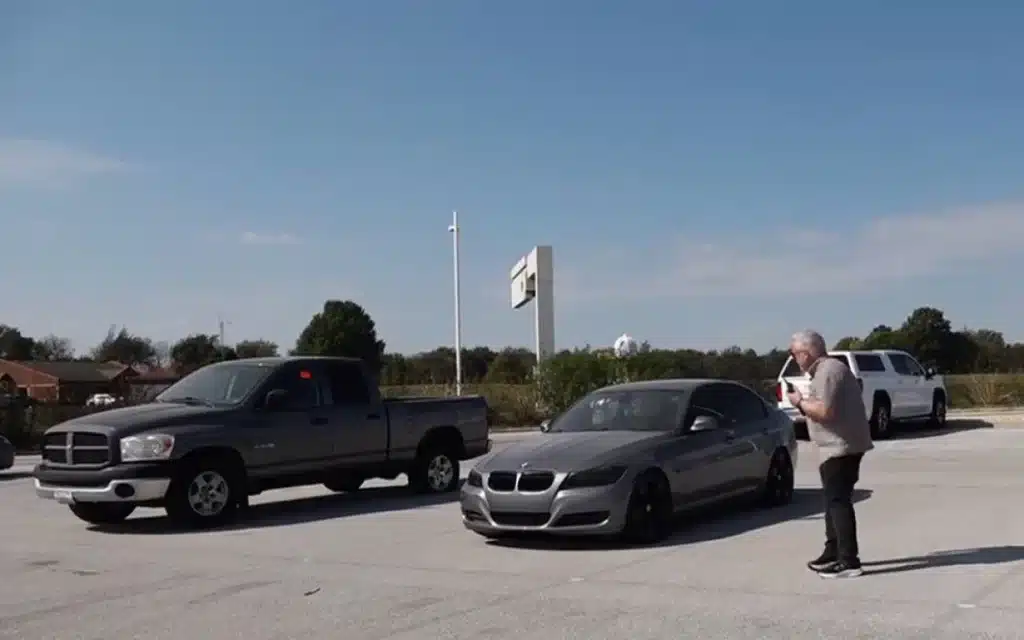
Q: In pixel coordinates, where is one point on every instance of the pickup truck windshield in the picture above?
(223, 384)
(624, 411)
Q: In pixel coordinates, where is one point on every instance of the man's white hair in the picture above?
(812, 341)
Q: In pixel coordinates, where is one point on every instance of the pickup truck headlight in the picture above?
(599, 477)
(475, 479)
(143, 448)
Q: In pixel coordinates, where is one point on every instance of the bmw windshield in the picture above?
(224, 384)
(645, 410)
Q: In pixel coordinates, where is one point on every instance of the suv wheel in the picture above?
(881, 420)
(102, 512)
(203, 493)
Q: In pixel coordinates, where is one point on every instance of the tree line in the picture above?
(344, 328)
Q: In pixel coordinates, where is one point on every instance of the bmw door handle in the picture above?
(319, 420)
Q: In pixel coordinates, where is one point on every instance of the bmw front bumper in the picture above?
(587, 511)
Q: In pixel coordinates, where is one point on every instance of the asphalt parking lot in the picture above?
(942, 537)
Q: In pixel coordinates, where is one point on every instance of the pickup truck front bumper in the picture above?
(131, 483)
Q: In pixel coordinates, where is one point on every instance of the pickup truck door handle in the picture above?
(373, 416)
(318, 420)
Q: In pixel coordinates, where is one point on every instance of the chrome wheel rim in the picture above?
(208, 494)
(883, 420)
(940, 411)
(440, 472)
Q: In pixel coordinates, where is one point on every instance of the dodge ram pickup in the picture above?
(234, 429)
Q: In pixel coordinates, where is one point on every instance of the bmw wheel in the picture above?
(780, 484)
(649, 512)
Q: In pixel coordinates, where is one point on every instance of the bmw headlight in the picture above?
(156, 446)
(599, 477)
(475, 479)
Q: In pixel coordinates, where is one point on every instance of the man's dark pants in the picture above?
(838, 477)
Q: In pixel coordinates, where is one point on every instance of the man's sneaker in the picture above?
(841, 570)
(822, 561)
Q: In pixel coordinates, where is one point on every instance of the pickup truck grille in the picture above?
(76, 448)
(528, 481)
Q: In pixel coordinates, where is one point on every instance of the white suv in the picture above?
(896, 388)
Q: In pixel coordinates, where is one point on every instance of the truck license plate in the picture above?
(63, 497)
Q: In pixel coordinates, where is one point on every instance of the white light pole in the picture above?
(453, 228)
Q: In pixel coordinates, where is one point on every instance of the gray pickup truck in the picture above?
(235, 429)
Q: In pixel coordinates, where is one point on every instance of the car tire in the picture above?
(780, 485)
(881, 419)
(649, 510)
(204, 493)
(436, 470)
(939, 409)
(345, 484)
(102, 512)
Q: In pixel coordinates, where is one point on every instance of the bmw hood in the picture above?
(571, 451)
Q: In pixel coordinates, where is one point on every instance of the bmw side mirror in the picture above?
(545, 426)
(704, 423)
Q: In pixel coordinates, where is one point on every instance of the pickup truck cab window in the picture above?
(302, 386)
(347, 383)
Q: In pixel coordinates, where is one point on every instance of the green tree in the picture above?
(928, 335)
(256, 349)
(14, 345)
(124, 347)
(198, 350)
(342, 328)
(849, 343)
(53, 348)
(511, 366)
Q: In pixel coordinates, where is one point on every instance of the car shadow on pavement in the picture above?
(703, 525)
(916, 430)
(953, 558)
(297, 511)
(14, 475)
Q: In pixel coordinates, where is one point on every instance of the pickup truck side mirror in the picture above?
(704, 423)
(545, 426)
(930, 373)
(275, 399)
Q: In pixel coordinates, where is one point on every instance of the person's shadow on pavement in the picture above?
(957, 557)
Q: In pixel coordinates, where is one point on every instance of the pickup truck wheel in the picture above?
(202, 494)
(341, 485)
(881, 420)
(435, 470)
(102, 512)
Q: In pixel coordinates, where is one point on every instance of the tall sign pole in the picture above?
(453, 228)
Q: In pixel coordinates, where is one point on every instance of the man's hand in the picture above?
(795, 397)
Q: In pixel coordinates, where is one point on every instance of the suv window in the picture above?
(869, 362)
(347, 384)
(902, 364)
(905, 365)
(302, 386)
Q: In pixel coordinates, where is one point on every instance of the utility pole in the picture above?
(453, 228)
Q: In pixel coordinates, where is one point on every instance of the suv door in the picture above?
(359, 422)
(904, 388)
(918, 390)
(294, 437)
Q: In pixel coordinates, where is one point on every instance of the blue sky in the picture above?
(708, 173)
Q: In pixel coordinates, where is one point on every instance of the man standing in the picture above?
(837, 424)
